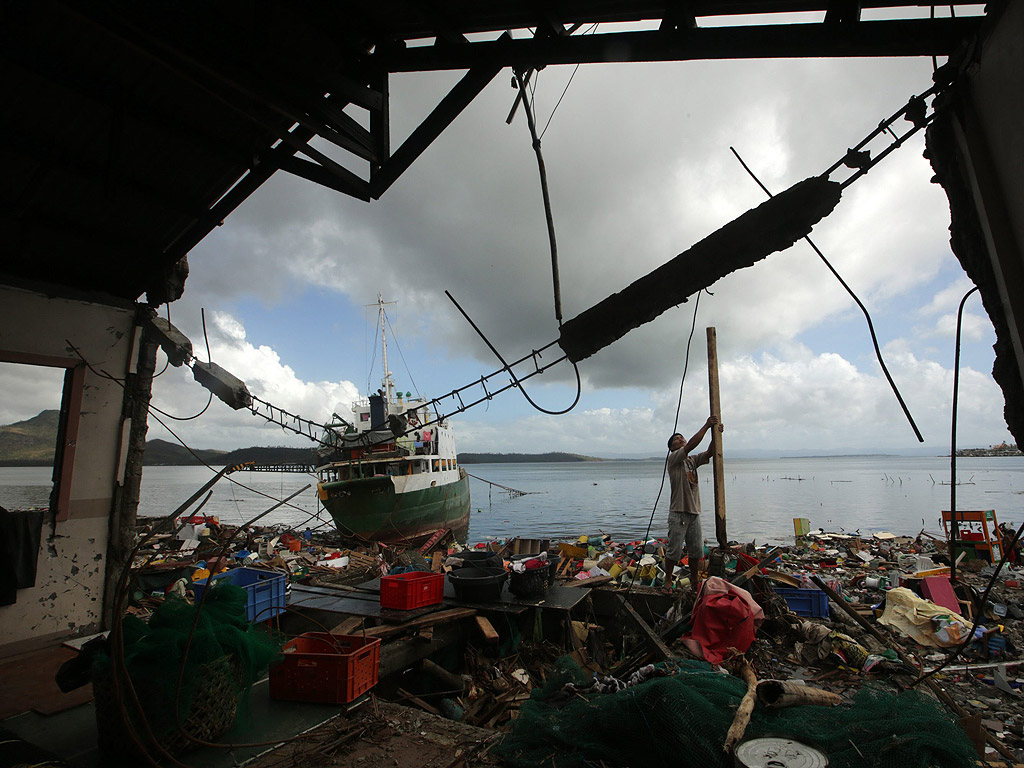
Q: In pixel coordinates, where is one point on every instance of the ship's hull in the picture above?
(398, 509)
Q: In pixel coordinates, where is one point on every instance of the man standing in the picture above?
(684, 503)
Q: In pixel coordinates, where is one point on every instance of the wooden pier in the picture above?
(298, 468)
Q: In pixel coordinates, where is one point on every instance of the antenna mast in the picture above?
(389, 385)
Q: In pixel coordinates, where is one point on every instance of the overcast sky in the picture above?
(639, 169)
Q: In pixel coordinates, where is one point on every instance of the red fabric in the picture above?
(725, 620)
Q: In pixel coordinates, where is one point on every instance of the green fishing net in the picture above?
(225, 656)
(681, 719)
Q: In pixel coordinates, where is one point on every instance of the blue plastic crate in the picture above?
(265, 589)
(805, 602)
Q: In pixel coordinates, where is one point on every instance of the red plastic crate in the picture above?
(323, 668)
(411, 590)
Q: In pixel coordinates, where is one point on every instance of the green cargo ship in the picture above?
(390, 473)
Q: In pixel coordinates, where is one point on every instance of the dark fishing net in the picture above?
(682, 718)
(225, 656)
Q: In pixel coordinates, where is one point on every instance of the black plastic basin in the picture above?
(480, 559)
(478, 585)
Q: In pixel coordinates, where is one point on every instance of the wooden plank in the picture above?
(474, 710)
(398, 654)
(651, 635)
(487, 629)
(743, 578)
(717, 462)
(563, 566)
(419, 702)
(348, 626)
(429, 620)
(593, 581)
(501, 706)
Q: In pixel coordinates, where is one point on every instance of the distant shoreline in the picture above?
(846, 456)
(523, 458)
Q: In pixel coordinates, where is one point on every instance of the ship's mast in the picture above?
(389, 385)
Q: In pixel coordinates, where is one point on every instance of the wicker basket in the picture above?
(212, 712)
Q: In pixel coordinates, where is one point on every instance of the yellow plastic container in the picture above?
(648, 572)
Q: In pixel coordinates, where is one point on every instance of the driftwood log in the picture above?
(772, 226)
(745, 709)
(789, 693)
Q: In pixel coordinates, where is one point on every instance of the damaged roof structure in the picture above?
(133, 129)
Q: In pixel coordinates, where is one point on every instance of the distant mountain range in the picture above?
(521, 458)
(163, 453)
(30, 442)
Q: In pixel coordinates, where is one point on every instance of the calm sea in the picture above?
(762, 496)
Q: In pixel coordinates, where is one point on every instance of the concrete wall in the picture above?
(976, 149)
(67, 599)
(993, 146)
(997, 86)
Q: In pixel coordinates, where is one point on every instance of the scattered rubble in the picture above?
(833, 612)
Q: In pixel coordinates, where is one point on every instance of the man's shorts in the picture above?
(682, 526)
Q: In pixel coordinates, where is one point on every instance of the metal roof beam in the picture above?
(109, 98)
(340, 180)
(917, 37)
(86, 169)
(460, 96)
(262, 169)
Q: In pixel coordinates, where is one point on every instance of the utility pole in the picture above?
(718, 465)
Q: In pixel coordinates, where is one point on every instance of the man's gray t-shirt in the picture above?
(682, 475)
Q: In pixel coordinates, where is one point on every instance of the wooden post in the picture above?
(716, 440)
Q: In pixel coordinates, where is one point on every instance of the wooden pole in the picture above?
(716, 440)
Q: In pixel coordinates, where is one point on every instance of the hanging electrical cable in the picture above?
(516, 381)
(167, 360)
(954, 526)
(849, 290)
(675, 427)
(773, 226)
(547, 198)
(151, 409)
(589, 30)
(954, 529)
